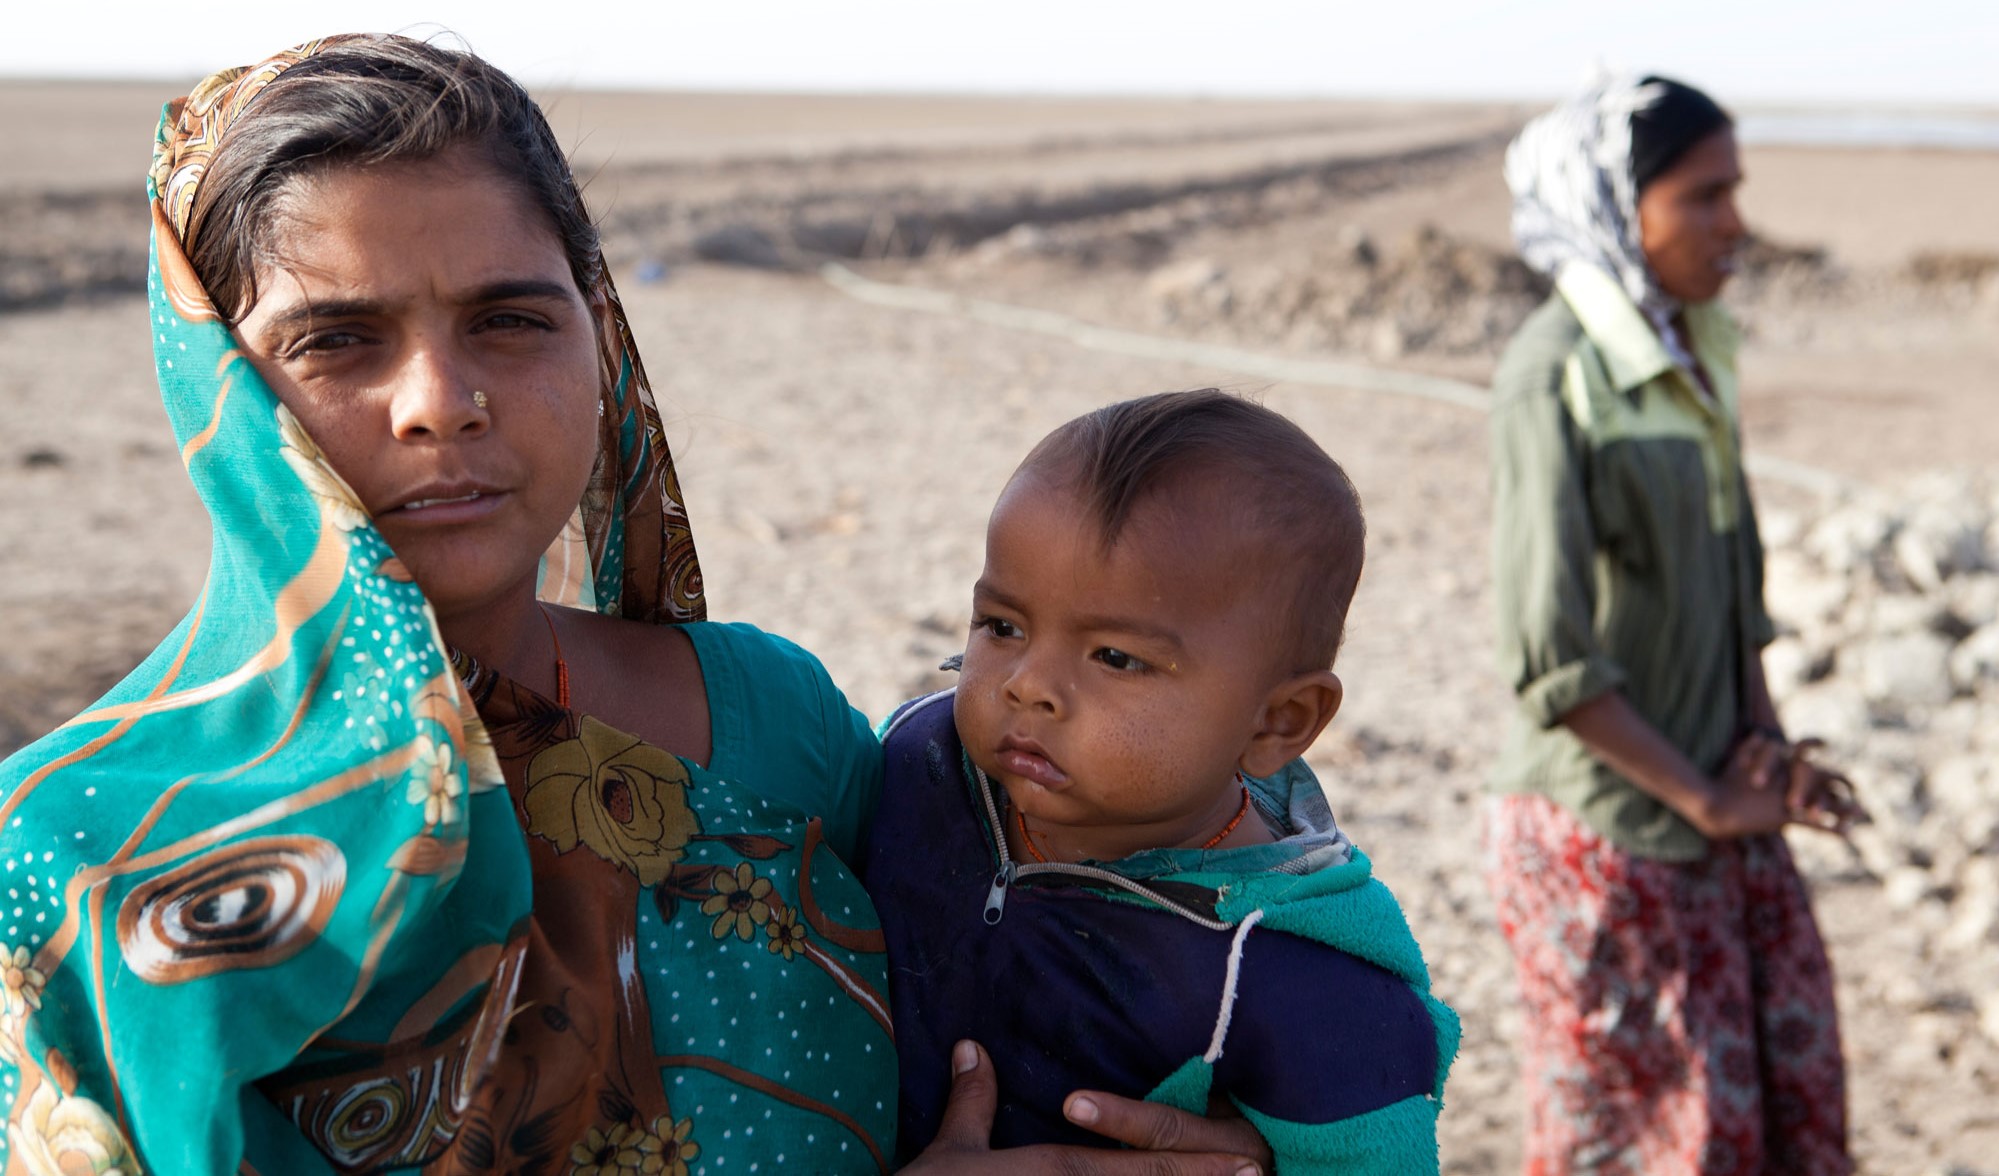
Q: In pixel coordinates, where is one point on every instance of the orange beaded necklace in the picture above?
(1242, 810)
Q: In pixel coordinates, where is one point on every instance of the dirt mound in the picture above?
(63, 247)
(1952, 268)
(1428, 292)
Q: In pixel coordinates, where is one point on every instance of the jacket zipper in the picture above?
(1009, 872)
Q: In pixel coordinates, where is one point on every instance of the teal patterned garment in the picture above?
(303, 895)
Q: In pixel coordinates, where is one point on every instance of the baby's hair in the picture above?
(1276, 482)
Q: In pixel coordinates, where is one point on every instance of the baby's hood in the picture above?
(1314, 883)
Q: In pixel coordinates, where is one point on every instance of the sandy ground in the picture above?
(840, 458)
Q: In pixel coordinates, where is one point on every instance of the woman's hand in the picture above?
(1819, 796)
(1153, 1127)
(1769, 783)
(1752, 795)
(1172, 1143)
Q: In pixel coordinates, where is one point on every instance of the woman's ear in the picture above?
(1294, 713)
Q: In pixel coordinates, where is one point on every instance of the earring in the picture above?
(479, 399)
(600, 406)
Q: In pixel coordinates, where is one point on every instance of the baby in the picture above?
(1075, 844)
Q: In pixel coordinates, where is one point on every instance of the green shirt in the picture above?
(1624, 547)
(783, 729)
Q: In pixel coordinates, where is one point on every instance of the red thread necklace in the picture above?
(1242, 810)
(561, 666)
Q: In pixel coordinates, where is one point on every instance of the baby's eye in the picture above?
(995, 627)
(1118, 659)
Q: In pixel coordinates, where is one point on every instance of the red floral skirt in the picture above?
(1679, 1015)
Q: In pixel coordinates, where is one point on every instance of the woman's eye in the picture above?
(323, 343)
(995, 627)
(507, 320)
(1118, 659)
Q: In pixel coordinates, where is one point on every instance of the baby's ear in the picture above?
(1294, 712)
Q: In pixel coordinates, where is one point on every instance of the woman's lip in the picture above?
(461, 508)
(1033, 767)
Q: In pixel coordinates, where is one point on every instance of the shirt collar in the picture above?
(1631, 349)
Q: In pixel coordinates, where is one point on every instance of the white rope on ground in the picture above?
(1325, 373)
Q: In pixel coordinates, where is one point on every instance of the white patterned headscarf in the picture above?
(1574, 199)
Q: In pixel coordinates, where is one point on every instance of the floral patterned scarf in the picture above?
(298, 896)
(1575, 200)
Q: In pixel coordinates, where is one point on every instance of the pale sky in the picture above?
(1820, 51)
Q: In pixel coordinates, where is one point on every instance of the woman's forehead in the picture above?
(441, 225)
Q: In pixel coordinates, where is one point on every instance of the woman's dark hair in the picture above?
(361, 102)
(1676, 119)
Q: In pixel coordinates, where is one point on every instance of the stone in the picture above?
(1965, 788)
(1387, 340)
(1879, 847)
(1939, 539)
(1988, 1014)
(1848, 539)
(1906, 887)
(1789, 665)
(1800, 597)
(1906, 671)
(1187, 281)
(1833, 710)
(1975, 661)
(1975, 911)
(1893, 793)
(1974, 599)
(1022, 240)
(1962, 722)
(1905, 613)
(1358, 246)
(1780, 528)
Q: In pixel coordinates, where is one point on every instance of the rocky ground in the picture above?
(840, 457)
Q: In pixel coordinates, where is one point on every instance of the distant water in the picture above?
(1959, 132)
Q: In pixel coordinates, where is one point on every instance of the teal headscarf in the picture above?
(216, 862)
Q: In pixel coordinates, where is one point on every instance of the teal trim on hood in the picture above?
(1293, 805)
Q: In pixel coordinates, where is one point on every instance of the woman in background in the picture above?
(1680, 1011)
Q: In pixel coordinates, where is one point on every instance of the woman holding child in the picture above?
(444, 835)
(1679, 1000)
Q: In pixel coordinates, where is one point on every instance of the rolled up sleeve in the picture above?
(1544, 550)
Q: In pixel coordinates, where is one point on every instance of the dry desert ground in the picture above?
(841, 444)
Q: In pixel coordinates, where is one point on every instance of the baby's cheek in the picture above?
(1148, 763)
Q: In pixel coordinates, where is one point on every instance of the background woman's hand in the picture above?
(1819, 796)
(1751, 796)
(1769, 783)
(1173, 1142)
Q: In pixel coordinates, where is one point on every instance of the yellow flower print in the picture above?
(69, 1135)
(434, 782)
(787, 934)
(337, 503)
(677, 1151)
(22, 981)
(741, 903)
(625, 799)
(622, 1148)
